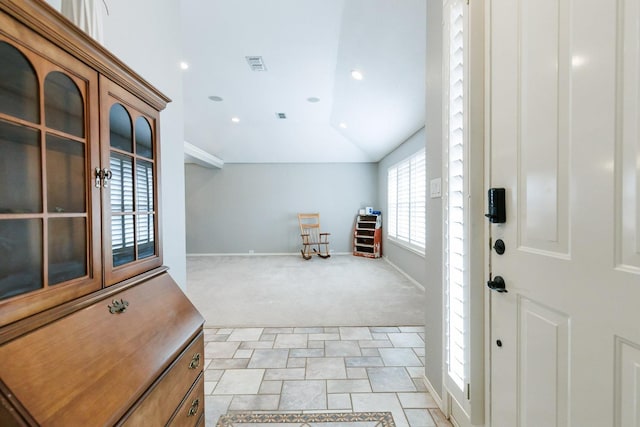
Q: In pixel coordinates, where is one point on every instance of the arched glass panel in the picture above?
(63, 106)
(120, 132)
(18, 85)
(144, 145)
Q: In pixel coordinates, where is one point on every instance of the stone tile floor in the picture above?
(304, 370)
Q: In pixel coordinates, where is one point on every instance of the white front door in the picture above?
(564, 103)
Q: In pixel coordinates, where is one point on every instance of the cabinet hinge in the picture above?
(103, 176)
(468, 391)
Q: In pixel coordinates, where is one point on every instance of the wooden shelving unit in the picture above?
(367, 236)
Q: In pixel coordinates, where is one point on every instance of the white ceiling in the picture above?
(309, 48)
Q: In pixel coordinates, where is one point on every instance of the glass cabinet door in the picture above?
(132, 246)
(46, 223)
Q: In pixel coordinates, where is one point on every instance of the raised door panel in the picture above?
(90, 367)
(130, 157)
(49, 209)
(628, 140)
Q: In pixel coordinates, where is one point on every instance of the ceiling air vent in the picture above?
(256, 63)
(281, 115)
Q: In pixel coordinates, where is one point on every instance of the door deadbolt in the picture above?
(499, 246)
(497, 206)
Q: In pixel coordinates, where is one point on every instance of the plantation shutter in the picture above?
(457, 306)
(404, 197)
(392, 198)
(121, 185)
(418, 200)
(406, 200)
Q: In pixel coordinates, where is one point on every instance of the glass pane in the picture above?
(144, 186)
(21, 255)
(120, 129)
(20, 175)
(63, 107)
(144, 145)
(18, 85)
(65, 175)
(121, 183)
(146, 240)
(67, 249)
(122, 240)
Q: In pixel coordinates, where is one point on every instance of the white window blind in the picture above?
(456, 270)
(121, 184)
(406, 201)
(144, 190)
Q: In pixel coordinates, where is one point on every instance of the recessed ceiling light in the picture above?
(184, 65)
(215, 98)
(313, 99)
(235, 119)
(356, 74)
(343, 125)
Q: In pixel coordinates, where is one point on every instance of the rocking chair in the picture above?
(312, 239)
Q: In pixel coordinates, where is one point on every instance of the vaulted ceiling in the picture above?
(309, 49)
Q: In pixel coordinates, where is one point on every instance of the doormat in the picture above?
(355, 419)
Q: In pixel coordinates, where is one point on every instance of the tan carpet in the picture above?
(272, 291)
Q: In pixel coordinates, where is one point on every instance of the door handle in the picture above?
(497, 284)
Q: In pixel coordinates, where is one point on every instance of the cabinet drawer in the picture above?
(189, 413)
(158, 406)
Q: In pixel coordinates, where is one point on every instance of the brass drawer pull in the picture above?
(118, 306)
(194, 408)
(195, 361)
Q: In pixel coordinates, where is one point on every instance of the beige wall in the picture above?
(244, 207)
(408, 261)
(433, 265)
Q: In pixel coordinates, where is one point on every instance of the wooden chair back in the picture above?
(309, 225)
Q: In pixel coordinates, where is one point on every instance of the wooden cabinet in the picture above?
(49, 214)
(92, 366)
(93, 331)
(367, 236)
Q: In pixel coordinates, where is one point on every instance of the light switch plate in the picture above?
(436, 188)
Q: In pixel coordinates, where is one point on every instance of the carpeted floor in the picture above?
(281, 291)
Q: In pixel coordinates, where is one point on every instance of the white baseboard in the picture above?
(259, 254)
(401, 271)
(433, 393)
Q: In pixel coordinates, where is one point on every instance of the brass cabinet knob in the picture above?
(118, 306)
(195, 361)
(194, 408)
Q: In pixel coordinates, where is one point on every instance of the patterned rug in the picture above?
(357, 419)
